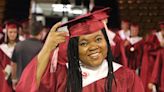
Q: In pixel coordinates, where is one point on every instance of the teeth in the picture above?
(95, 55)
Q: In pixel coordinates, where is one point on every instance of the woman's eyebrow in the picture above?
(83, 39)
(99, 35)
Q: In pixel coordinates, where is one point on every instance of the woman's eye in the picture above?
(83, 44)
(99, 39)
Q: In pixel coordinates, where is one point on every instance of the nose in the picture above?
(93, 47)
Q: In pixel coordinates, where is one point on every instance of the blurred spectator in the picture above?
(134, 48)
(11, 38)
(27, 49)
(158, 70)
(124, 33)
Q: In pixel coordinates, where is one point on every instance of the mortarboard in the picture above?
(100, 14)
(11, 24)
(86, 24)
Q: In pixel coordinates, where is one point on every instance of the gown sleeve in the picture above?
(158, 71)
(4, 61)
(4, 86)
(137, 85)
(27, 82)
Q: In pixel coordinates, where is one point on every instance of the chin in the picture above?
(97, 63)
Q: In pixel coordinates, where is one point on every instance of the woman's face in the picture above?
(134, 31)
(12, 34)
(125, 25)
(92, 49)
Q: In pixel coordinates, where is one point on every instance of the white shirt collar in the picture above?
(134, 40)
(7, 50)
(124, 34)
(160, 37)
(93, 75)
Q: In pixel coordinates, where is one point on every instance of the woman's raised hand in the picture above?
(54, 37)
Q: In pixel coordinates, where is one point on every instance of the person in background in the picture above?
(25, 50)
(89, 66)
(124, 33)
(21, 33)
(134, 48)
(24, 29)
(11, 38)
(157, 76)
(153, 43)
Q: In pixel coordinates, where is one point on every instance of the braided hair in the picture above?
(74, 78)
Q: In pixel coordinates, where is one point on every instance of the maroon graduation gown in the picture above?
(118, 51)
(134, 54)
(151, 47)
(4, 87)
(4, 60)
(158, 71)
(126, 80)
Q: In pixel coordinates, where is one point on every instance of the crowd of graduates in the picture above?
(144, 55)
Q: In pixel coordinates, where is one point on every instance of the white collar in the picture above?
(124, 34)
(92, 75)
(159, 36)
(134, 40)
(7, 50)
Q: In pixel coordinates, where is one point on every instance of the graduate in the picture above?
(89, 66)
(11, 38)
(124, 33)
(158, 70)
(153, 43)
(134, 48)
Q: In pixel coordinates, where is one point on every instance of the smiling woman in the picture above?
(89, 67)
(92, 49)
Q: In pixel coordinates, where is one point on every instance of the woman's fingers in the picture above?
(54, 28)
(59, 33)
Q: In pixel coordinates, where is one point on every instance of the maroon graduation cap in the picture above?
(86, 24)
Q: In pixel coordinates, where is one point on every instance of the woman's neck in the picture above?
(11, 44)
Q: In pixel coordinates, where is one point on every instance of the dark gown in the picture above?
(134, 53)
